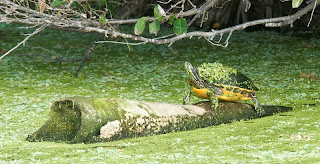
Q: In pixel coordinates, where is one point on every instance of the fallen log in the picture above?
(82, 119)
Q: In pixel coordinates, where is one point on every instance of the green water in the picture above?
(30, 81)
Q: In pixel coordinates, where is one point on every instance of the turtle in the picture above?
(214, 82)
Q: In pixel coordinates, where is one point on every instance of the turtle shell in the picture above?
(217, 74)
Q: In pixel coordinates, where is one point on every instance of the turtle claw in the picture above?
(260, 111)
(258, 107)
(186, 99)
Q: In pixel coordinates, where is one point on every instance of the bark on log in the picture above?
(82, 119)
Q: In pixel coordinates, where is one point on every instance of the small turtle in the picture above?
(215, 82)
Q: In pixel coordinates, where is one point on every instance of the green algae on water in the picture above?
(30, 84)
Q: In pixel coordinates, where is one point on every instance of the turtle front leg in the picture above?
(257, 107)
(214, 101)
(213, 98)
(186, 99)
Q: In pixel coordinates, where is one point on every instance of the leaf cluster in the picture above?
(180, 25)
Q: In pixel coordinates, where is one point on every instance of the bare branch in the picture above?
(203, 8)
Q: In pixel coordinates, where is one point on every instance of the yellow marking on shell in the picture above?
(232, 96)
(201, 93)
(226, 95)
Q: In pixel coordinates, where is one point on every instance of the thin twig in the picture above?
(218, 42)
(126, 43)
(85, 57)
(314, 7)
(165, 36)
(164, 2)
(205, 7)
(24, 40)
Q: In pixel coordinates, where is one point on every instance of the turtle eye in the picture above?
(236, 90)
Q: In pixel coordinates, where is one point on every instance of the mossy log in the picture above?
(82, 119)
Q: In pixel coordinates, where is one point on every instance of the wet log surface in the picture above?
(81, 119)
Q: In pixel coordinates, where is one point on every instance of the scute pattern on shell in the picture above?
(216, 73)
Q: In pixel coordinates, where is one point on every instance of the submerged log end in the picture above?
(63, 124)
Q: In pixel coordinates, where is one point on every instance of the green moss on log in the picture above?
(81, 119)
(76, 119)
(63, 124)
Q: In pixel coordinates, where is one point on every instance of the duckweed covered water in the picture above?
(30, 81)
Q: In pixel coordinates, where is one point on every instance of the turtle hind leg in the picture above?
(257, 106)
(186, 99)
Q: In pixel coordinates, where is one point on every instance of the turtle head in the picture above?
(194, 75)
(189, 68)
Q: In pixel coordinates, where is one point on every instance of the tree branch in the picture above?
(60, 18)
(267, 22)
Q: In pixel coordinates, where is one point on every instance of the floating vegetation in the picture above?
(215, 72)
(29, 84)
(311, 76)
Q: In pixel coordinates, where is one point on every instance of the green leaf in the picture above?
(154, 27)
(296, 3)
(159, 13)
(102, 18)
(180, 26)
(57, 3)
(171, 19)
(102, 3)
(140, 25)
